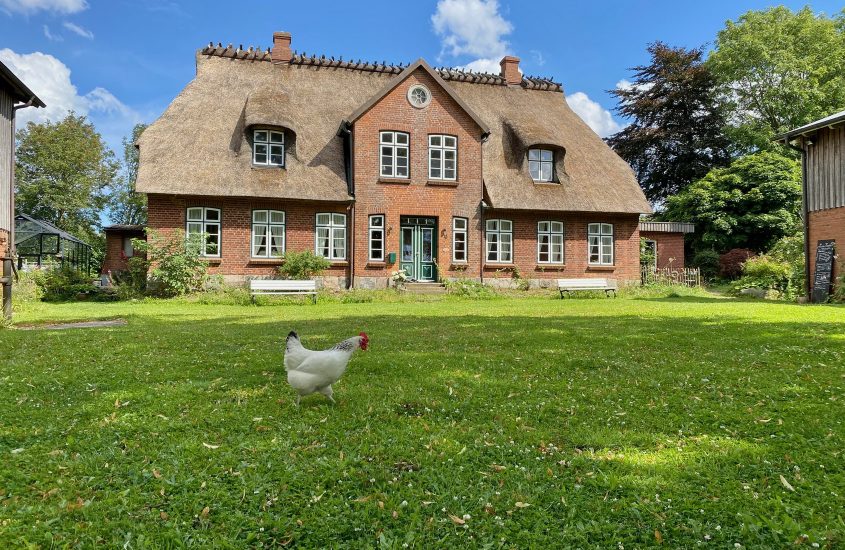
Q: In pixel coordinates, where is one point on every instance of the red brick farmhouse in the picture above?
(822, 147)
(440, 172)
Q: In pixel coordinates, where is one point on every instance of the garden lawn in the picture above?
(498, 423)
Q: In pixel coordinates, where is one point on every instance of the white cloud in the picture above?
(27, 7)
(483, 66)
(50, 80)
(76, 29)
(597, 117)
(50, 36)
(626, 84)
(474, 28)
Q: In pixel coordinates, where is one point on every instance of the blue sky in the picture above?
(123, 61)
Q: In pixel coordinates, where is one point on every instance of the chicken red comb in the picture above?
(364, 335)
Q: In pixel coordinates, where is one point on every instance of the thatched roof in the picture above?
(200, 144)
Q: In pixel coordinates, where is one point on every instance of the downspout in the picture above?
(345, 132)
(482, 205)
(805, 214)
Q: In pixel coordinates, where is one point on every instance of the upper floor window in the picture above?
(541, 165)
(268, 148)
(600, 237)
(442, 157)
(376, 238)
(459, 239)
(331, 236)
(499, 241)
(268, 233)
(419, 96)
(203, 224)
(394, 154)
(550, 242)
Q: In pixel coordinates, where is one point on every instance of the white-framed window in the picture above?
(393, 147)
(550, 242)
(541, 164)
(600, 238)
(419, 96)
(499, 241)
(442, 157)
(204, 223)
(376, 240)
(268, 233)
(268, 148)
(331, 236)
(459, 239)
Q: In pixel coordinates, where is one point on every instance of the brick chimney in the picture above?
(281, 53)
(510, 70)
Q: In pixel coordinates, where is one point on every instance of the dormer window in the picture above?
(541, 165)
(268, 148)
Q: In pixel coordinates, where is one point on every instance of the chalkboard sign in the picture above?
(824, 268)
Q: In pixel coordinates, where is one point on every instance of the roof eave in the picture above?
(25, 95)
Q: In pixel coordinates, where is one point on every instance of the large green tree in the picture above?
(125, 205)
(779, 69)
(675, 136)
(750, 204)
(63, 172)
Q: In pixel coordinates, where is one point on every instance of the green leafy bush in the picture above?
(303, 265)
(177, 264)
(648, 257)
(730, 263)
(790, 250)
(765, 273)
(469, 289)
(707, 261)
(65, 283)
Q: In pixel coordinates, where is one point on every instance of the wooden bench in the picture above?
(570, 285)
(258, 287)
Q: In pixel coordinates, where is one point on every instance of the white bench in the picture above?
(259, 287)
(570, 285)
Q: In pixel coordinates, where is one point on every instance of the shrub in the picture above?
(765, 273)
(730, 263)
(303, 265)
(63, 283)
(648, 257)
(469, 289)
(707, 261)
(177, 265)
(790, 250)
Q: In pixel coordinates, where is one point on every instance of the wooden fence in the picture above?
(687, 276)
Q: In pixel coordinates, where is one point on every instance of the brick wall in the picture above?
(827, 224)
(626, 246)
(417, 196)
(4, 242)
(167, 213)
(670, 246)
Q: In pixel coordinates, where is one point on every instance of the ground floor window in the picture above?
(376, 238)
(459, 239)
(499, 241)
(268, 233)
(331, 236)
(550, 242)
(203, 224)
(600, 237)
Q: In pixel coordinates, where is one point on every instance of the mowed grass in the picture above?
(502, 423)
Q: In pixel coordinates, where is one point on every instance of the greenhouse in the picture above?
(42, 244)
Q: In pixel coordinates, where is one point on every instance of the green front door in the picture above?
(419, 248)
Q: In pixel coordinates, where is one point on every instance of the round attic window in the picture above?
(419, 96)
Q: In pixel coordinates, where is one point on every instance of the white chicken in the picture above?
(315, 371)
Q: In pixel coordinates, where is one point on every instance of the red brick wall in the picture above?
(166, 213)
(626, 246)
(113, 260)
(827, 224)
(669, 246)
(417, 196)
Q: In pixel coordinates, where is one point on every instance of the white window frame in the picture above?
(268, 225)
(336, 231)
(543, 158)
(376, 227)
(498, 228)
(204, 221)
(551, 229)
(601, 236)
(457, 221)
(275, 141)
(437, 147)
(388, 141)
